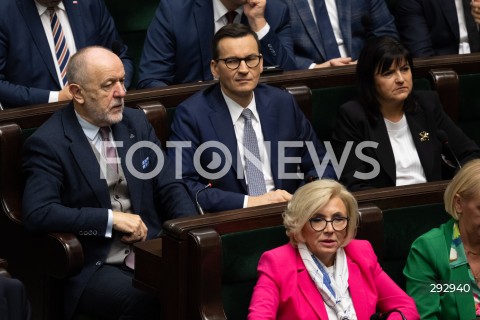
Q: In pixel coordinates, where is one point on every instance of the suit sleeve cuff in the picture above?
(263, 32)
(53, 97)
(108, 232)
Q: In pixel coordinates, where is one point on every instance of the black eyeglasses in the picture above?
(233, 63)
(338, 224)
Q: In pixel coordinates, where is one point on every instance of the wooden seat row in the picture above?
(318, 92)
(61, 255)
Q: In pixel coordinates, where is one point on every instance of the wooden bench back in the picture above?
(202, 272)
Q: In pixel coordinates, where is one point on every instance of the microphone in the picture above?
(384, 316)
(443, 137)
(117, 47)
(199, 207)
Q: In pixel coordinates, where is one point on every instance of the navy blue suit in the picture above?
(428, 27)
(178, 44)
(14, 304)
(205, 117)
(359, 20)
(27, 68)
(64, 191)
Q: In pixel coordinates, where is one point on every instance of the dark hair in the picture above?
(377, 56)
(233, 30)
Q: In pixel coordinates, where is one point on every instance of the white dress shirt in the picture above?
(238, 124)
(219, 12)
(409, 169)
(67, 31)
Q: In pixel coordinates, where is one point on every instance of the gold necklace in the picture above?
(470, 263)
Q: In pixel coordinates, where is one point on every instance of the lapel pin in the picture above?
(145, 162)
(424, 136)
(132, 136)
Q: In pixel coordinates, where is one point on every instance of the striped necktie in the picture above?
(109, 150)
(61, 48)
(255, 178)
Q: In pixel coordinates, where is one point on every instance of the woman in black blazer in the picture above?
(391, 134)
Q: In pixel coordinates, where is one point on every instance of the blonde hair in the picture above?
(308, 199)
(466, 183)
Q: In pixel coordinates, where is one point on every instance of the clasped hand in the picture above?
(131, 225)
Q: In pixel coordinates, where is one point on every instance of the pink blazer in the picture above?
(284, 289)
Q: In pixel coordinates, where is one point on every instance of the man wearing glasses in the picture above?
(248, 140)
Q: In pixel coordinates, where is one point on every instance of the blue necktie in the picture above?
(326, 31)
(255, 178)
(472, 31)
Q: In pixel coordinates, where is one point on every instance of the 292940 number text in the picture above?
(449, 287)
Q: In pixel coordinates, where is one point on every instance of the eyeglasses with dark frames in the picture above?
(338, 224)
(234, 63)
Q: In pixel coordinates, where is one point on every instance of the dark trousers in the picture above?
(13, 300)
(110, 295)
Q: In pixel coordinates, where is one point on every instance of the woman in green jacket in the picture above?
(443, 266)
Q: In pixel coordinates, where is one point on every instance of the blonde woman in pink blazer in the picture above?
(322, 273)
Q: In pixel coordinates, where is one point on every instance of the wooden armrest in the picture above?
(3, 263)
(11, 186)
(205, 272)
(64, 255)
(447, 85)
(157, 116)
(62, 252)
(303, 96)
(149, 273)
(371, 227)
(3, 268)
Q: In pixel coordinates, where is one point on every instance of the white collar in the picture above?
(219, 10)
(41, 8)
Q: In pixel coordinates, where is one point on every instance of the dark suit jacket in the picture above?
(205, 117)
(428, 27)
(27, 69)
(64, 191)
(352, 124)
(359, 20)
(13, 300)
(178, 44)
